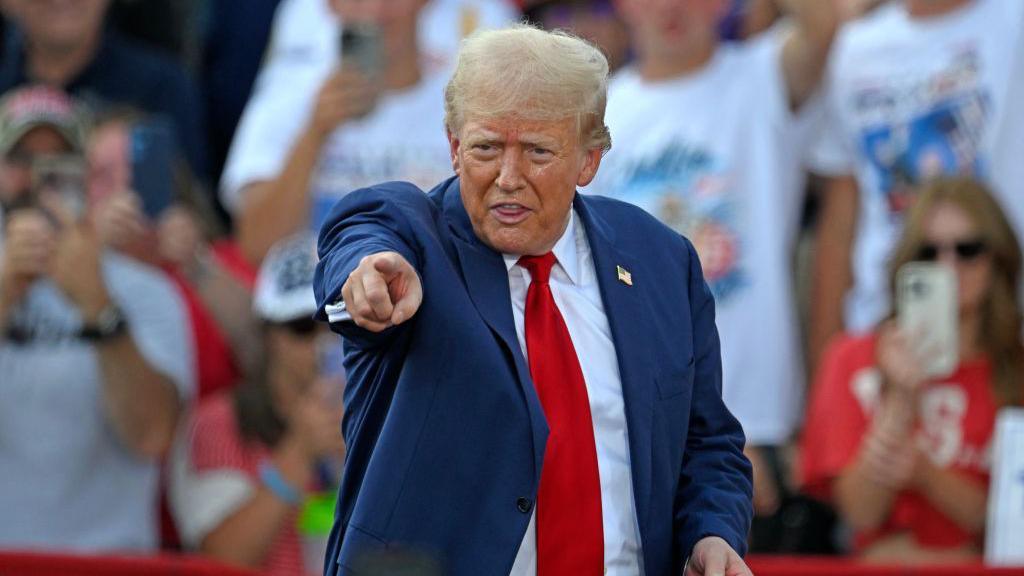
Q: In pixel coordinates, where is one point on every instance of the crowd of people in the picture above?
(163, 384)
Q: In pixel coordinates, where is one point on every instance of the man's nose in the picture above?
(510, 177)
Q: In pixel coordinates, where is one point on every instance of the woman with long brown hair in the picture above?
(905, 456)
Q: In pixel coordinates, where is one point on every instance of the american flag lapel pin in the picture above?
(624, 276)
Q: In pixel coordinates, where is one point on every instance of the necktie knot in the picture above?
(539, 267)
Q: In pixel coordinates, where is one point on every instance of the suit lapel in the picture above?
(629, 323)
(486, 280)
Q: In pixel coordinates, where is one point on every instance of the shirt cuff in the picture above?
(337, 313)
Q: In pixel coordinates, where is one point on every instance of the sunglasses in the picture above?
(964, 250)
(299, 326)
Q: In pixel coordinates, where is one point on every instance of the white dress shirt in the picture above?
(575, 290)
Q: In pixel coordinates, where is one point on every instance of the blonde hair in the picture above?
(1001, 310)
(528, 73)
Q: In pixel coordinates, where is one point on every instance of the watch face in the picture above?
(109, 323)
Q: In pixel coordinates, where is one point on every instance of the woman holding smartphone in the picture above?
(244, 465)
(902, 454)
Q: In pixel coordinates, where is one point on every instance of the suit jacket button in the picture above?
(524, 505)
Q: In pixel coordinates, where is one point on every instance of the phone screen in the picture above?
(152, 154)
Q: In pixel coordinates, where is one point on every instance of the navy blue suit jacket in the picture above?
(444, 429)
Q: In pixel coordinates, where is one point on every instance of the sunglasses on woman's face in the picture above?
(963, 250)
(300, 326)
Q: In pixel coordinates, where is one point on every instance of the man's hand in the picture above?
(383, 291)
(347, 94)
(28, 248)
(121, 224)
(76, 269)
(713, 556)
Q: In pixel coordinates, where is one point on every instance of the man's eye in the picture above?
(542, 151)
(483, 147)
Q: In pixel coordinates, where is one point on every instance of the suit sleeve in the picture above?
(365, 222)
(714, 497)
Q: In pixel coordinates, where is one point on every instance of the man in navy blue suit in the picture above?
(534, 381)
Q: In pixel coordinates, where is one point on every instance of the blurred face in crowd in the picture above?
(518, 179)
(598, 22)
(59, 25)
(109, 165)
(16, 165)
(670, 28)
(293, 348)
(952, 238)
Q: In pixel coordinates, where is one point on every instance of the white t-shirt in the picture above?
(302, 53)
(909, 99)
(67, 482)
(715, 155)
(402, 139)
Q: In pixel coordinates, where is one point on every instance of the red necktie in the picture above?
(570, 532)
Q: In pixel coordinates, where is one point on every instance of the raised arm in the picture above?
(806, 51)
(274, 209)
(833, 268)
(367, 280)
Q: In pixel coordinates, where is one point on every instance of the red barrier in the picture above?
(810, 566)
(39, 564)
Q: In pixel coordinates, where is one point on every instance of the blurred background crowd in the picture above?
(164, 165)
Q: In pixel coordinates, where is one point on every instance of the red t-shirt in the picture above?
(956, 420)
(216, 444)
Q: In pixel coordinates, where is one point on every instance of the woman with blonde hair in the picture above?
(904, 456)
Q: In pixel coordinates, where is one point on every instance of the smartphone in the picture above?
(360, 45)
(153, 149)
(926, 309)
(63, 176)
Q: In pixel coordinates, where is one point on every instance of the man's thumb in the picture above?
(714, 563)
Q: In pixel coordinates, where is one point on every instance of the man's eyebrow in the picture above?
(538, 139)
(484, 138)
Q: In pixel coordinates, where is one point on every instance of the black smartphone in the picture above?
(152, 154)
(360, 44)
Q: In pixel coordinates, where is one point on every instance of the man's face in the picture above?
(518, 180)
(60, 24)
(16, 165)
(669, 23)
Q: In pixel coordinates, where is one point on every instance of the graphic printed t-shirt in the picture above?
(956, 422)
(910, 99)
(713, 156)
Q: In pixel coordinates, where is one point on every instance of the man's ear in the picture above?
(453, 148)
(591, 162)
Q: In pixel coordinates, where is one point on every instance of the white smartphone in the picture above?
(926, 307)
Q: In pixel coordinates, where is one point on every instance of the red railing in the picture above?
(809, 566)
(38, 564)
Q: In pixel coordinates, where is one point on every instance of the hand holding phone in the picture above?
(61, 178)
(152, 154)
(360, 46)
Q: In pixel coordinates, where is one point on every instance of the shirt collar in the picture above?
(564, 250)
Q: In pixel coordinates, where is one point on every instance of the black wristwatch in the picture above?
(110, 323)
